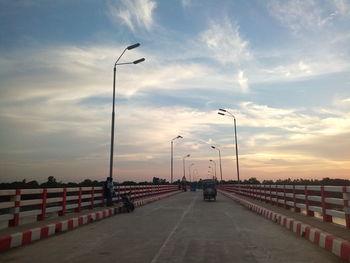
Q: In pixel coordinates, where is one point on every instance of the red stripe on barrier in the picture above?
(317, 237)
(59, 227)
(285, 222)
(291, 225)
(70, 223)
(307, 232)
(26, 237)
(329, 243)
(5, 243)
(345, 250)
(299, 228)
(329, 239)
(44, 232)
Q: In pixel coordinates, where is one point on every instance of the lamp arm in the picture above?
(120, 57)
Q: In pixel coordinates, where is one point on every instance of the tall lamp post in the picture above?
(113, 109)
(172, 158)
(214, 167)
(194, 172)
(183, 159)
(216, 148)
(227, 113)
(212, 170)
(189, 171)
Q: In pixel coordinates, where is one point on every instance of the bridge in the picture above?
(247, 223)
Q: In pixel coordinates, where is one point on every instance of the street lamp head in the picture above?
(220, 113)
(188, 155)
(179, 137)
(139, 61)
(213, 147)
(222, 110)
(210, 160)
(133, 46)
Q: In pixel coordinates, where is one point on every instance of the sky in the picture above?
(280, 67)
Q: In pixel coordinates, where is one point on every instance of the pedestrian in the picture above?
(109, 191)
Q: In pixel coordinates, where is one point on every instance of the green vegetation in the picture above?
(52, 182)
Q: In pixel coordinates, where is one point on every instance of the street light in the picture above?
(113, 109)
(189, 170)
(172, 157)
(214, 166)
(224, 113)
(194, 172)
(212, 170)
(183, 159)
(216, 148)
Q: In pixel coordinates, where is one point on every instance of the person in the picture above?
(109, 191)
(127, 202)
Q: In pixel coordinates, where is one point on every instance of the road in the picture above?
(182, 228)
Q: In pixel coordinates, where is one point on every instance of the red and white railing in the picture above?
(17, 205)
(332, 203)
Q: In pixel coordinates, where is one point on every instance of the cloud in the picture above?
(133, 13)
(88, 70)
(186, 3)
(301, 67)
(223, 40)
(330, 147)
(298, 15)
(291, 131)
(286, 142)
(301, 16)
(242, 81)
(62, 110)
(285, 137)
(342, 7)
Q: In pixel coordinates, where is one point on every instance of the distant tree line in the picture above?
(300, 181)
(53, 183)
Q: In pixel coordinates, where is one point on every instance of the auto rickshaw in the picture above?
(209, 189)
(193, 186)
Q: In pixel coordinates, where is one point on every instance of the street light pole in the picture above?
(214, 167)
(219, 159)
(235, 128)
(113, 108)
(189, 170)
(195, 172)
(183, 159)
(172, 158)
(212, 170)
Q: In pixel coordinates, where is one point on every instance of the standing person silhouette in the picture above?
(109, 191)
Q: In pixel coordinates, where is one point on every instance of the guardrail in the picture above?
(331, 203)
(17, 205)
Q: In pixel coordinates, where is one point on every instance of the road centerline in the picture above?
(155, 259)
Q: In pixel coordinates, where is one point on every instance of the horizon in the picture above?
(281, 67)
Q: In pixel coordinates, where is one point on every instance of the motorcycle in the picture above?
(127, 203)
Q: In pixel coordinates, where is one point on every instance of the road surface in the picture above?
(182, 228)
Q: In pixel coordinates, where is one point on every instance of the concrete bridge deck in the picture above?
(182, 228)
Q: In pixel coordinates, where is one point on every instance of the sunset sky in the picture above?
(281, 67)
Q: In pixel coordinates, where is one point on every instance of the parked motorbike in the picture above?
(127, 203)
